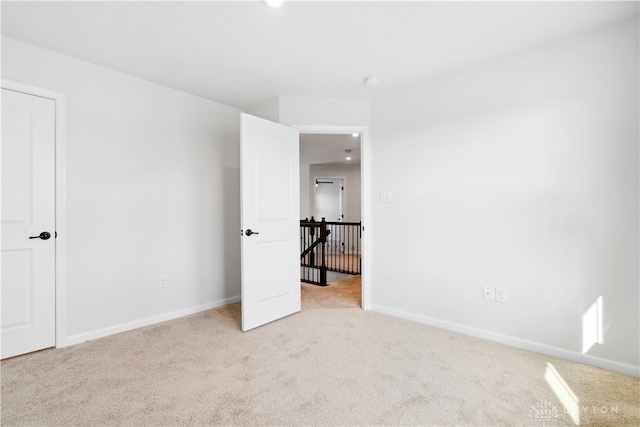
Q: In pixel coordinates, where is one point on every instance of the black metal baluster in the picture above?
(335, 236)
(345, 256)
(340, 241)
(359, 250)
(347, 240)
(329, 248)
(340, 260)
(350, 249)
(353, 245)
(334, 231)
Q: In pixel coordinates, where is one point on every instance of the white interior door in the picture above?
(270, 221)
(28, 214)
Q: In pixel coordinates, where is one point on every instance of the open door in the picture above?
(270, 183)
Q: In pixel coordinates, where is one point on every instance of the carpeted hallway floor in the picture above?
(331, 364)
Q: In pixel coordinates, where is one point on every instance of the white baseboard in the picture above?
(100, 333)
(560, 353)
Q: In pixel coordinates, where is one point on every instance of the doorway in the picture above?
(331, 154)
(270, 187)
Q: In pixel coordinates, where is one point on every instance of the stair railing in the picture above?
(329, 246)
(313, 235)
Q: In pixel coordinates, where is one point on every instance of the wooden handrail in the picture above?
(314, 244)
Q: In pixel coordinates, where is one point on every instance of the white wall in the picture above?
(268, 110)
(352, 187)
(305, 192)
(295, 110)
(152, 188)
(521, 173)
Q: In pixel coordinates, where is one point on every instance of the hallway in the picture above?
(345, 293)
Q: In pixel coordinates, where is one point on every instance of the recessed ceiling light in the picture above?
(274, 3)
(355, 135)
(371, 80)
(348, 158)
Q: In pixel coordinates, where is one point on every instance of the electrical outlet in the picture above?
(163, 281)
(501, 295)
(489, 293)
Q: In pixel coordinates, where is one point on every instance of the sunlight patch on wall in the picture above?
(563, 392)
(592, 325)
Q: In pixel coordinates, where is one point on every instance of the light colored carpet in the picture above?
(331, 364)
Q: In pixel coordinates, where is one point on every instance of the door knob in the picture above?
(44, 236)
(249, 232)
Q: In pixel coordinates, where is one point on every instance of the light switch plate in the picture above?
(489, 293)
